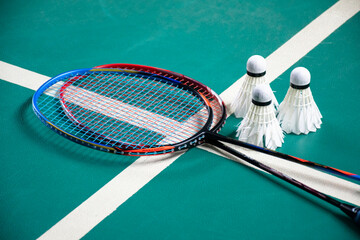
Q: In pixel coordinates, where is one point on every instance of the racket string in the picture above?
(89, 116)
(190, 133)
(80, 100)
(103, 116)
(149, 105)
(85, 130)
(169, 112)
(162, 120)
(215, 102)
(144, 102)
(46, 102)
(105, 88)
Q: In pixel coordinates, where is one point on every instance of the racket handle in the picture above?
(325, 168)
(352, 211)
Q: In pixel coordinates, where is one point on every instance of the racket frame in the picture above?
(192, 141)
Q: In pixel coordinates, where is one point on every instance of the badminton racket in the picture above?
(138, 113)
(220, 115)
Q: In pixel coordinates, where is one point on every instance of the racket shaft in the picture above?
(352, 211)
(285, 156)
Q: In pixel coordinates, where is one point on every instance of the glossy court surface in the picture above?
(44, 177)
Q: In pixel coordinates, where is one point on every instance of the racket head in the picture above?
(63, 103)
(216, 103)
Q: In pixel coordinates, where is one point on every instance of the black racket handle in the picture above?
(283, 156)
(352, 211)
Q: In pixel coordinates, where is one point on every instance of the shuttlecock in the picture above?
(260, 125)
(298, 113)
(256, 74)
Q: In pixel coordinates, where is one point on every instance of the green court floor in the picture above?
(43, 176)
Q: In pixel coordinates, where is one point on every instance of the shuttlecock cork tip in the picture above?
(256, 66)
(261, 95)
(300, 78)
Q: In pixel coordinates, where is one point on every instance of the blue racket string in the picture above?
(124, 100)
(169, 113)
(89, 83)
(104, 90)
(152, 138)
(152, 95)
(49, 105)
(136, 96)
(186, 113)
(71, 128)
(133, 95)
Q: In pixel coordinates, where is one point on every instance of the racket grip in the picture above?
(325, 168)
(351, 211)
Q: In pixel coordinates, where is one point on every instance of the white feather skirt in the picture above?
(298, 113)
(242, 102)
(261, 127)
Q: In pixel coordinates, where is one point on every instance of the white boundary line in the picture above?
(107, 199)
(21, 76)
